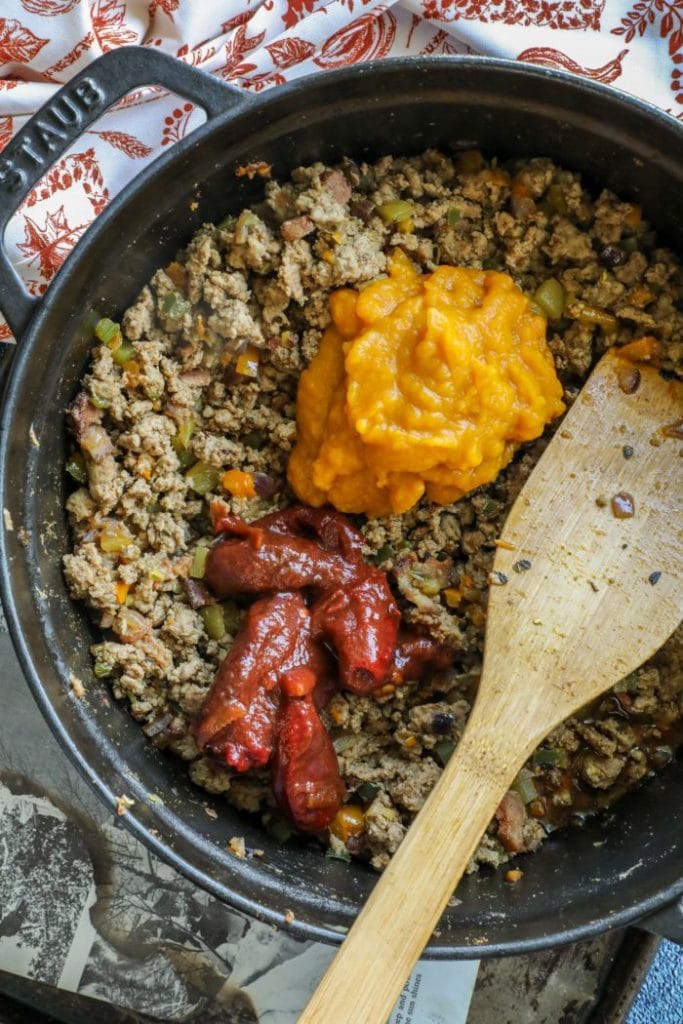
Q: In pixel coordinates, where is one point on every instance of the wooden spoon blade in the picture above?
(583, 599)
(592, 550)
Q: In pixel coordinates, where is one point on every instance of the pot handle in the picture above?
(64, 117)
(666, 923)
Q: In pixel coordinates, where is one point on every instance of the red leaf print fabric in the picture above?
(49, 245)
(167, 6)
(547, 57)
(237, 47)
(662, 19)
(368, 38)
(239, 19)
(296, 10)
(175, 124)
(18, 43)
(288, 52)
(126, 143)
(5, 131)
(82, 169)
(257, 45)
(561, 14)
(108, 24)
(72, 56)
(49, 8)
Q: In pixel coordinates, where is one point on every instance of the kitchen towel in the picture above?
(637, 45)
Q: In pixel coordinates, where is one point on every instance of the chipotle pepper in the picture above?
(353, 608)
(360, 621)
(306, 779)
(268, 561)
(330, 528)
(265, 700)
(237, 721)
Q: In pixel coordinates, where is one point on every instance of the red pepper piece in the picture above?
(330, 528)
(272, 562)
(225, 522)
(416, 654)
(306, 779)
(360, 620)
(237, 721)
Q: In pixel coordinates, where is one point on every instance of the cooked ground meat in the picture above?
(213, 350)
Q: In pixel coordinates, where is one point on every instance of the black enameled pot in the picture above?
(605, 874)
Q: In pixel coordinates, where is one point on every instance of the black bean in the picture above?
(654, 578)
(442, 723)
(627, 451)
(612, 256)
(266, 485)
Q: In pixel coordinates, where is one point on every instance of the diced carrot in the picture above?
(633, 217)
(238, 483)
(641, 296)
(247, 362)
(494, 176)
(132, 367)
(644, 350)
(476, 615)
(337, 715)
(176, 271)
(122, 591)
(258, 168)
(522, 201)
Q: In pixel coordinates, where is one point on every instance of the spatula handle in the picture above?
(365, 978)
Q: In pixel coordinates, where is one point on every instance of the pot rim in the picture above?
(38, 323)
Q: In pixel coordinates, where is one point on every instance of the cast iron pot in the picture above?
(608, 873)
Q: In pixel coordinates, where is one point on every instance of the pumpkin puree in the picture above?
(423, 384)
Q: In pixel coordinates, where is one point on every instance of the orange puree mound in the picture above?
(423, 384)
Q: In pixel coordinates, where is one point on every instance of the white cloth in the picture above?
(258, 44)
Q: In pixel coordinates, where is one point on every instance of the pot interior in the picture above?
(580, 881)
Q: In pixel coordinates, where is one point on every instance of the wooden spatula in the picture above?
(602, 592)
